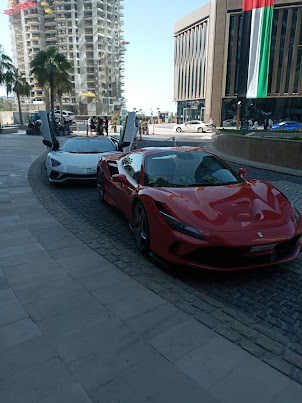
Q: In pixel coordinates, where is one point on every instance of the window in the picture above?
(132, 165)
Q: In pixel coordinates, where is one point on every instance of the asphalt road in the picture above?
(272, 295)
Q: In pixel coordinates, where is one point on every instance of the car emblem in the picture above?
(83, 168)
(260, 235)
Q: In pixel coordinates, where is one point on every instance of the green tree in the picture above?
(16, 82)
(47, 66)
(63, 86)
(6, 65)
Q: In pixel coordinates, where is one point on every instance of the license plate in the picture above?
(262, 248)
(90, 170)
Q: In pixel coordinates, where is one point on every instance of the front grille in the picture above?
(222, 257)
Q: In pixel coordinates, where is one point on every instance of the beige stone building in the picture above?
(207, 61)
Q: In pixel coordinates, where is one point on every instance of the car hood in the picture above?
(245, 206)
(74, 159)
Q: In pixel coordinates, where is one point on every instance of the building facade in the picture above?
(207, 62)
(90, 34)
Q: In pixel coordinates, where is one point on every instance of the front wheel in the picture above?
(178, 129)
(300, 128)
(101, 189)
(141, 228)
(200, 130)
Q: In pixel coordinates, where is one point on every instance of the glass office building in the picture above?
(221, 71)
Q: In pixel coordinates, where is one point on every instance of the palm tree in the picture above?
(47, 66)
(6, 64)
(63, 86)
(16, 82)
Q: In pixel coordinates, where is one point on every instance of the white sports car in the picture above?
(192, 126)
(78, 157)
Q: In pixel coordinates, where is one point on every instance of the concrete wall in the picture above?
(285, 153)
(6, 117)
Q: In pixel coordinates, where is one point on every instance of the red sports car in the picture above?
(189, 208)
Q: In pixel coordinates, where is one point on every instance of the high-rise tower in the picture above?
(89, 33)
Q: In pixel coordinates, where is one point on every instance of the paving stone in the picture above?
(85, 264)
(140, 301)
(33, 279)
(203, 306)
(181, 339)
(279, 363)
(38, 265)
(251, 347)
(11, 313)
(57, 304)
(269, 345)
(7, 296)
(71, 321)
(228, 333)
(244, 330)
(150, 323)
(19, 357)
(42, 381)
(206, 320)
(17, 332)
(104, 279)
(23, 258)
(254, 381)
(212, 361)
(292, 393)
(156, 380)
(74, 393)
(47, 289)
(293, 358)
(73, 251)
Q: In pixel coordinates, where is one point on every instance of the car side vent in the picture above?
(113, 169)
(161, 208)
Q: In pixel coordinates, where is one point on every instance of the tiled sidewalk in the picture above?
(74, 328)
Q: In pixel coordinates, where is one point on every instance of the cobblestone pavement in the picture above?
(260, 310)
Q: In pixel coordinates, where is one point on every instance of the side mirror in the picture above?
(123, 145)
(47, 143)
(243, 173)
(120, 178)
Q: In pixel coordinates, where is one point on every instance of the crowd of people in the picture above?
(267, 124)
(98, 125)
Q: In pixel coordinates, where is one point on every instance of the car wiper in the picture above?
(204, 184)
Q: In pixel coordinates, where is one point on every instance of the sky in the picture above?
(149, 59)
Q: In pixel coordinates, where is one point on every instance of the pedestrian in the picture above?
(265, 124)
(100, 127)
(92, 124)
(270, 124)
(250, 122)
(106, 125)
(89, 125)
(255, 125)
(211, 122)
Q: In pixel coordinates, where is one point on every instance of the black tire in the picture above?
(300, 128)
(200, 130)
(100, 185)
(141, 228)
(178, 129)
(281, 128)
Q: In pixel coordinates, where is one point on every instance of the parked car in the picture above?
(192, 126)
(188, 207)
(288, 125)
(229, 123)
(77, 158)
(67, 115)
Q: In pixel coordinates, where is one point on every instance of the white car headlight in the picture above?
(55, 163)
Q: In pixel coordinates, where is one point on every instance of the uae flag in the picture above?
(255, 48)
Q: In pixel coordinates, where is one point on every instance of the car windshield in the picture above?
(90, 145)
(187, 168)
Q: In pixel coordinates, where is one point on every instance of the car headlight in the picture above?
(296, 216)
(55, 163)
(181, 227)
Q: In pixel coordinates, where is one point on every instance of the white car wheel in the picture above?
(200, 130)
(178, 129)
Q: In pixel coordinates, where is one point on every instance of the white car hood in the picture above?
(78, 160)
